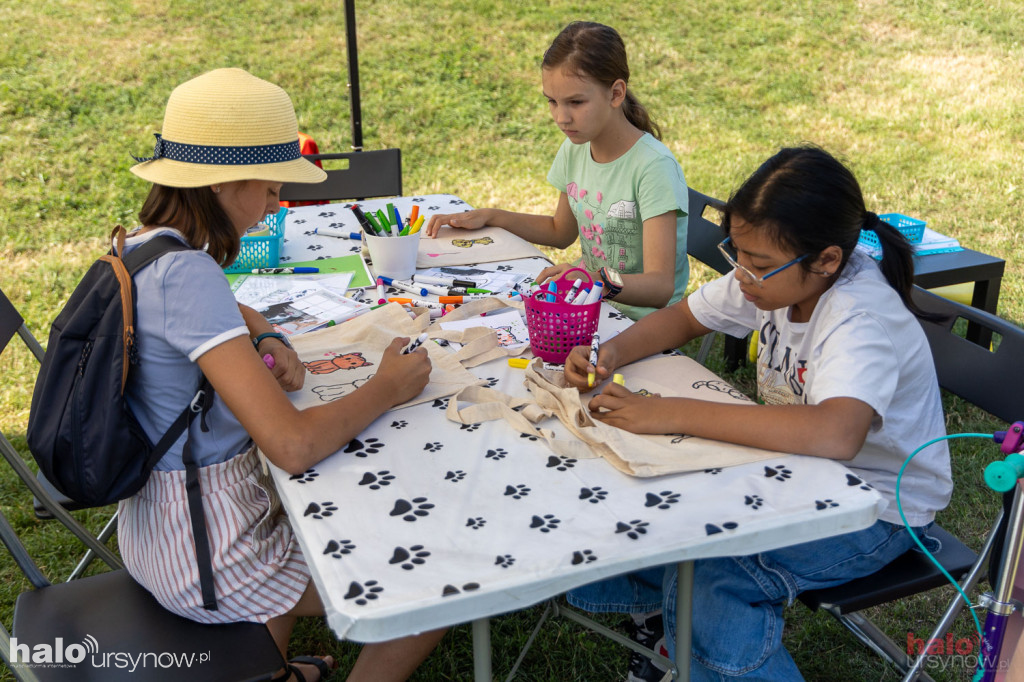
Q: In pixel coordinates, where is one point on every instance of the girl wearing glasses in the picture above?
(844, 371)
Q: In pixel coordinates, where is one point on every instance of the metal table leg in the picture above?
(684, 617)
(482, 650)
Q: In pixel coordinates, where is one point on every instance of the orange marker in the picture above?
(415, 212)
(403, 301)
(459, 299)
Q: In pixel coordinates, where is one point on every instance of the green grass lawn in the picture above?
(923, 99)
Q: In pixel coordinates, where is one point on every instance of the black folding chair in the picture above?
(376, 173)
(47, 501)
(991, 380)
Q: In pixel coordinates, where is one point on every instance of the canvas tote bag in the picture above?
(634, 454)
(468, 247)
(342, 358)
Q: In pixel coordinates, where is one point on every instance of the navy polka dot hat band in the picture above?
(223, 126)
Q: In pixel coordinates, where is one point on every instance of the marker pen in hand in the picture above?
(595, 345)
(268, 360)
(619, 379)
(416, 344)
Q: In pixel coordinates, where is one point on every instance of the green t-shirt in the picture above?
(612, 200)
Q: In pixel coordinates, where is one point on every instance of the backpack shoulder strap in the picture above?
(154, 248)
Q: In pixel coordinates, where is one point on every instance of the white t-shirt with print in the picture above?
(861, 342)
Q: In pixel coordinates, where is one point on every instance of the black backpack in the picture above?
(81, 431)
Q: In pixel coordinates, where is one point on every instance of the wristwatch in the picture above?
(271, 335)
(612, 282)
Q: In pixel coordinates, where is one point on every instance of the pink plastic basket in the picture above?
(555, 328)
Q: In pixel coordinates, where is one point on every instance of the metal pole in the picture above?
(353, 75)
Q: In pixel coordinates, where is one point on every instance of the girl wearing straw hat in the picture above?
(229, 141)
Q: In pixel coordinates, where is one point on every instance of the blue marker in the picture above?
(404, 286)
(552, 290)
(334, 232)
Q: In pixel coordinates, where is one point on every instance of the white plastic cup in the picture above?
(393, 257)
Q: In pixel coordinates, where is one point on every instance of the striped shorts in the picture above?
(258, 567)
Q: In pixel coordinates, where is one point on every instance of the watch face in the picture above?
(613, 277)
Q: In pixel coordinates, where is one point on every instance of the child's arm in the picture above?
(559, 230)
(296, 439)
(663, 329)
(288, 369)
(835, 428)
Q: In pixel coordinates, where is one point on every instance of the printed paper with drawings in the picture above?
(512, 331)
(299, 304)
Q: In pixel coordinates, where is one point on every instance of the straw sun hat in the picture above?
(227, 125)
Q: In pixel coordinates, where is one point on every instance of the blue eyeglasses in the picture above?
(747, 274)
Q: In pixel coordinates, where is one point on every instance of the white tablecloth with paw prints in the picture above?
(421, 522)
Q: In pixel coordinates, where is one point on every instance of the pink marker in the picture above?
(381, 297)
(268, 359)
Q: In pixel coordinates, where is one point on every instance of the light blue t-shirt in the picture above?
(184, 307)
(612, 200)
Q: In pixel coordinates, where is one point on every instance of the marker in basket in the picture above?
(404, 286)
(595, 294)
(335, 232)
(595, 345)
(416, 344)
(574, 290)
(284, 271)
(552, 290)
(381, 296)
(581, 297)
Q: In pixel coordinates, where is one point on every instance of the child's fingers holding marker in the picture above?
(577, 367)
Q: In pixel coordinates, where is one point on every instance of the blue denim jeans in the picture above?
(738, 601)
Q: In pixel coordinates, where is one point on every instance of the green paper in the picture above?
(351, 263)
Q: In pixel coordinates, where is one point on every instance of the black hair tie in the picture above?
(870, 221)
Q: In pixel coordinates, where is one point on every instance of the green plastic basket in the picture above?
(261, 252)
(911, 228)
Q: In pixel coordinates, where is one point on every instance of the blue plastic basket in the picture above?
(264, 251)
(911, 228)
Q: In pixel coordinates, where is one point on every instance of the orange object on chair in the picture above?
(307, 145)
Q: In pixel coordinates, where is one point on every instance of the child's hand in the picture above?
(469, 220)
(618, 406)
(288, 369)
(406, 374)
(578, 367)
(555, 271)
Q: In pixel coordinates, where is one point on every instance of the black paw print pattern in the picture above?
(593, 495)
(307, 476)
(560, 463)
(504, 560)
(753, 501)
(338, 548)
(364, 593)
(491, 382)
(399, 424)
(852, 480)
(371, 446)
(449, 590)
(825, 504)
(469, 427)
(476, 522)
(528, 435)
(712, 529)
(779, 473)
(713, 472)
(410, 558)
(583, 556)
(663, 500)
(633, 530)
(455, 476)
(616, 315)
(433, 447)
(320, 511)
(375, 481)
(546, 523)
(503, 268)
(314, 247)
(326, 214)
(440, 403)
(516, 492)
(496, 454)
(411, 511)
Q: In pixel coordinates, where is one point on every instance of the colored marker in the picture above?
(552, 290)
(581, 297)
(268, 360)
(595, 345)
(414, 213)
(619, 379)
(432, 288)
(375, 226)
(443, 281)
(284, 271)
(460, 299)
(519, 363)
(334, 232)
(384, 222)
(391, 213)
(416, 344)
(381, 296)
(595, 294)
(398, 221)
(416, 225)
(417, 302)
(361, 218)
(404, 286)
(574, 290)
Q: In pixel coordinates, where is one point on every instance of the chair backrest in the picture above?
(990, 379)
(704, 234)
(11, 323)
(376, 173)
